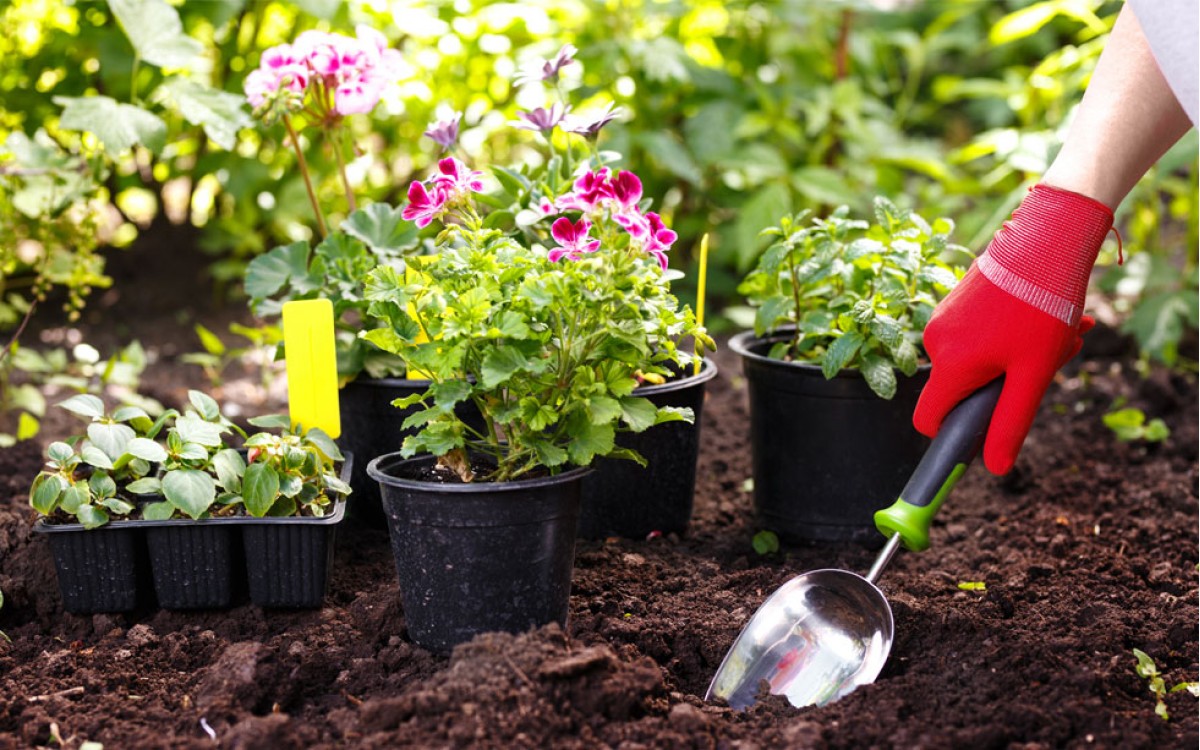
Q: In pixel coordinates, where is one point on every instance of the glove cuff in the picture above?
(1044, 255)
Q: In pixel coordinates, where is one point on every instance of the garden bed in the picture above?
(1088, 550)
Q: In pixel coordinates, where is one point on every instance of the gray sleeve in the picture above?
(1172, 27)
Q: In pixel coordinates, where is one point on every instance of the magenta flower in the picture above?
(659, 239)
(572, 238)
(279, 68)
(590, 189)
(547, 70)
(625, 189)
(589, 127)
(457, 179)
(541, 119)
(546, 206)
(445, 133)
(423, 206)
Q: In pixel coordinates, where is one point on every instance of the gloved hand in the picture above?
(1017, 313)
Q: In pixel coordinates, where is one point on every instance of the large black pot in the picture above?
(623, 499)
(827, 453)
(479, 557)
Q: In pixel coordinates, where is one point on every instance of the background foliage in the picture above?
(737, 112)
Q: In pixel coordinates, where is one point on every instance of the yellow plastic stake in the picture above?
(700, 291)
(308, 342)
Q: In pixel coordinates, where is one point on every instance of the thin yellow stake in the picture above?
(700, 293)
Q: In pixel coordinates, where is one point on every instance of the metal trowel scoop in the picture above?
(824, 633)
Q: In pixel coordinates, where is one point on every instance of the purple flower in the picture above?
(457, 179)
(572, 238)
(589, 127)
(547, 70)
(445, 132)
(423, 206)
(542, 119)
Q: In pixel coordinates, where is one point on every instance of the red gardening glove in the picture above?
(1017, 313)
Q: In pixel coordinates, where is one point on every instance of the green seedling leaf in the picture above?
(91, 516)
(230, 467)
(192, 452)
(145, 486)
(158, 511)
(60, 452)
(85, 405)
(205, 405)
(93, 456)
(193, 429)
(135, 416)
(73, 497)
(102, 485)
(118, 126)
(147, 450)
(972, 586)
(765, 542)
(117, 505)
(260, 487)
(324, 443)
(272, 422)
(44, 494)
(189, 490)
(27, 426)
(110, 437)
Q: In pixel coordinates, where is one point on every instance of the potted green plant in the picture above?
(314, 84)
(547, 318)
(195, 502)
(834, 367)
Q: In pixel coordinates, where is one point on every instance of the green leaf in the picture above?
(118, 126)
(382, 228)
(290, 485)
(588, 439)
(27, 426)
(674, 414)
(764, 208)
(229, 467)
(220, 113)
(604, 410)
(135, 416)
(268, 273)
(158, 511)
(209, 340)
(260, 487)
(112, 438)
(1156, 431)
(499, 364)
(670, 155)
(145, 486)
(205, 405)
(639, 413)
(192, 452)
(91, 517)
(85, 405)
(189, 490)
(840, 353)
(272, 422)
(324, 443)
(59, 452)
(825, 185)
(74, 497)
(156, 33)
(765, 542)
(879, 375)
(117, 505)
(102, 484)
(193, 429)
(93, 456)
(45, 493)
(147, 450)
(548, 453)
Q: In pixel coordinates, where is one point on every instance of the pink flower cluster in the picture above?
(619, 194)
(453, 182)
(355, 69)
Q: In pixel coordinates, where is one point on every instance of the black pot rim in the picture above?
(707, 372)
(378, 471)
(742, 343)
(369, 382)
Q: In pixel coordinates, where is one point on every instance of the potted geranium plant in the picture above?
(840, 305)
(314, 84)
(188, 498)
(547, 319)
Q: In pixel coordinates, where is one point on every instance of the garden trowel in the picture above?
(824, 633)
(308, 342)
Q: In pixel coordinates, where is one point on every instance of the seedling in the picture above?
(1130, 424)
(765, 542)
(855, 295)
(218, 356)
(972, 586)
(1148, 670)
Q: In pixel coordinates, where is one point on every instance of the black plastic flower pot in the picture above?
(194, 563)
(479, 557)
(827, 453)
(371, 427)
(623, 499)
(288, 559)
(99, 570)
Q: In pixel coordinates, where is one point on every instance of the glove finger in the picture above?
(1086, 323)
(1013, 417)
(946, 387)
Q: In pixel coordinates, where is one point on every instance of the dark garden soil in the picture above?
(1088, 550)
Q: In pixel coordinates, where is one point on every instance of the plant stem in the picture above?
(133, 97)
(337, 150)
(795, 301)
(312, 195)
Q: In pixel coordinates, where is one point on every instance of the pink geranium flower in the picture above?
(625, 189)
(457, 179)
(659, 238)
(572, 238)
(424, 206)
(590, 189)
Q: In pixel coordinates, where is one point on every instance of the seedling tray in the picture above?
(99, 570)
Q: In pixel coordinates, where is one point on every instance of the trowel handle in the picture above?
(957, 444)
